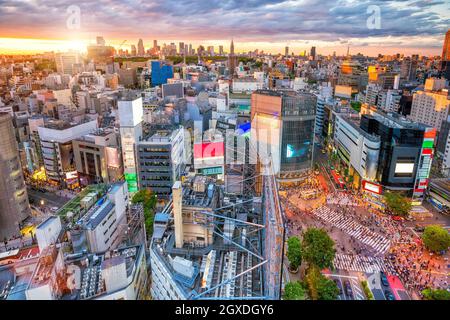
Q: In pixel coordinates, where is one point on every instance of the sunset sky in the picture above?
(408, 27)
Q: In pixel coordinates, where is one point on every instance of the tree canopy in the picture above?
(318, 248)
(397, 204)
(320, 287)
(436, 294)
(294, 252)
(294, 291)
(148, 200)
(436, 238)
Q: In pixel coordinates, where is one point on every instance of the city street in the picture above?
(367, 242)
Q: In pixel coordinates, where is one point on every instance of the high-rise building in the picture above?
(352, 74)
(232, 61)
(160, 73)
(220, 50)
(57, 149)
(155, 44)
(408, 69)
(286, 51)
(65, 62)
(283, 129)
(131, 114)
(133, 50)
(161, 161)
(140, 48)
(14, 206)
(445, 63)
(181, 48)
(97, 157)
(313, 53)
(446, 47)
(431, 105)
(190, 49)
(406, 152)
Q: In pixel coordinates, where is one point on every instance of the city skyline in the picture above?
(406, 27)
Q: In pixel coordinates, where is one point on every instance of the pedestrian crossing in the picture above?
(358, 293)
(341, 199)
(361, 233)
(359, 263)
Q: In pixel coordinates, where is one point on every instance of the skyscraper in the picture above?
(286, 51)
(313, 53)
(232, 59)
(181, 48)
(446, 47)
(14, 206)
(65, 61)
(155, 44)
(282, 125)
(140, 48)
(133, 50)
(445, 64)
(130, 117)
(220, 50)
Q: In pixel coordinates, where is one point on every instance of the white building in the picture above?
(431, 106)
(131, 113)
(246, 84)
(57, 149)
(358, 149)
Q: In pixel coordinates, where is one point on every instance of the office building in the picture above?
(408, 69)
(56, 138)
(232, 60)
(405, 154)
(14, 206)
(352, 74)
(161, 161)
(283, 129)
(65, 62)
(98, 157)
(357, 149)
(161, 72)
(140, 48)
(101, 227)
(431, 105)
(131, 114)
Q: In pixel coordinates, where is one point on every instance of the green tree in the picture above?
(318, 248)
(319, 286)
(294, 291)
(397, 204)
(148, 200)
(294, 252)
(436, 294)
(436, 238)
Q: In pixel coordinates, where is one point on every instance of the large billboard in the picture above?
(371, 187)
(209, 154)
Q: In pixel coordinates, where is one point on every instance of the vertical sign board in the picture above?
(424, 166)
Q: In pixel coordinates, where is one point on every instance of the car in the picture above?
(388, 295)
(397, 218)
(384, 279)
(348, 289)
(323, 151)
(338, 284)
(419, 228)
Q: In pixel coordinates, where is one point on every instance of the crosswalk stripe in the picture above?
(359, 232)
